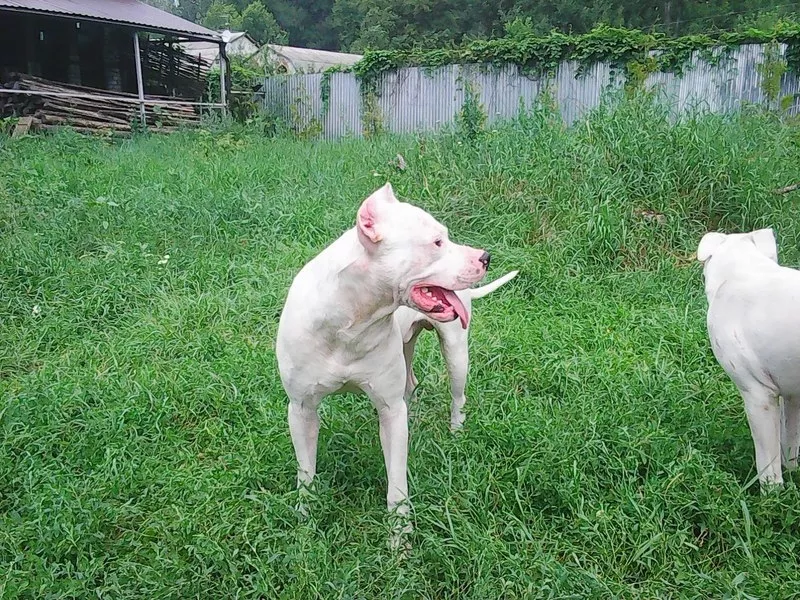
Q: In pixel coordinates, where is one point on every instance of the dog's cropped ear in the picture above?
(385, 193)
(367, 223)
(708, 244)
(368, 218)
(764, 239)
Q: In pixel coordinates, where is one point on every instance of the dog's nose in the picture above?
(485, 258)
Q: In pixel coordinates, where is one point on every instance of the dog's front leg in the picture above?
(394, 442)
(387, 397)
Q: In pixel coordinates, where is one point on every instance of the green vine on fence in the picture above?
(626, 50)
(325, 85)
(771, 71)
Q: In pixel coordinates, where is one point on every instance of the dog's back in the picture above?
(754, 322)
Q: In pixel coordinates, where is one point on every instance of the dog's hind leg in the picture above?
(408, 355)
(764, 416)
(455, 348)
(790, 433)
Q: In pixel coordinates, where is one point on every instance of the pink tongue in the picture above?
(455, 302)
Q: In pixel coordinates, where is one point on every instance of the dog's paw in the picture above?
(305, 495)
(457, 422)
(399, 537)
(790, 462)
(770, 487)
(400, 529)
(302, 509)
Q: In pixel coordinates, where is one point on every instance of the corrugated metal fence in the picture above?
(423, 99)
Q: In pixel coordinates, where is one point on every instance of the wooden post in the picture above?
(139, 82)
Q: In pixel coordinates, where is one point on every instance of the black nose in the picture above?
(485, 258)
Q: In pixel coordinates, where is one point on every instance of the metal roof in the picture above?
(310, 59)
(125, 12)
(209, 51)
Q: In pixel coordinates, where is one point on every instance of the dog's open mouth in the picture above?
(439, 303)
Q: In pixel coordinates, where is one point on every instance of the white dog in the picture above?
(337, 331)
(754, 326)
(453, 340)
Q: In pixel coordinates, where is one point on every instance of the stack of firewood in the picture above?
(87, 109)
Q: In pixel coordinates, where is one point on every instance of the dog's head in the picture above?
(715, 243)
(414, 254)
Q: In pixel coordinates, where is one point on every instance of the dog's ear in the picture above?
(708, 244)
(764, 239)
(386, 193)
(366, 223)
(368, 218)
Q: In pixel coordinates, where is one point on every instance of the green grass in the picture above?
(144, 450)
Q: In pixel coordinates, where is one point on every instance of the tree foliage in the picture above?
(359, 25)
(261, 24)
(221, 15)
(255, 19)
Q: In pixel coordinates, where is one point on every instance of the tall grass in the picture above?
(144, 450)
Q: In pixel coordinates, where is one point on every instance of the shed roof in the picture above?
(311, 58)
(209, 51)
(124, 12)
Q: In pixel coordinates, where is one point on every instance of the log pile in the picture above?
(87, 109)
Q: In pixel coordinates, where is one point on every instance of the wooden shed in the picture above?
(93, 61)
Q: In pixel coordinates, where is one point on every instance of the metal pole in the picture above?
(139, 82)
(223, 67)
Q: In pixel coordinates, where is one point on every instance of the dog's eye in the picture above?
(438, 243)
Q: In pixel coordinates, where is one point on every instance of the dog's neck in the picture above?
(733, 265)
(374, 299)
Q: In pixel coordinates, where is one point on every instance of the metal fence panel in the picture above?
(418, 99)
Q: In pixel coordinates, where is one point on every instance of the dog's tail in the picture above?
(487, 289)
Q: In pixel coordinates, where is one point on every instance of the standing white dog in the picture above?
(754, 326)
(337, 330)
(453, 340)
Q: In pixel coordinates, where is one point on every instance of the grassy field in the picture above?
(144, 450)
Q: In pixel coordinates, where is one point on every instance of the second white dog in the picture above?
(453, 340)
(754, 327)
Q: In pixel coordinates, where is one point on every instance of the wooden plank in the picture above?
(23, 126)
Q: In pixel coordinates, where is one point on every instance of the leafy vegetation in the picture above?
(631, 51)
(245, 78)
(144, 450)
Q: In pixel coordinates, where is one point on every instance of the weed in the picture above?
(771, 71)
(471, 119)
(371, 114)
